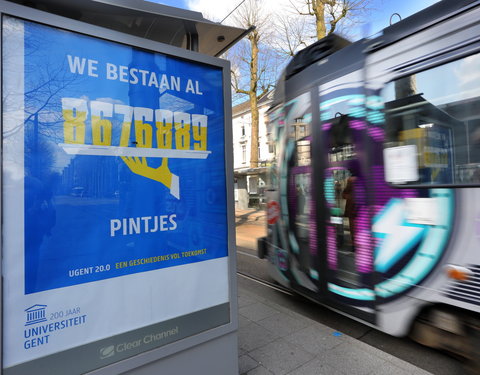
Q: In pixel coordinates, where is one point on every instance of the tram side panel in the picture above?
(422, 118)
(431, 145)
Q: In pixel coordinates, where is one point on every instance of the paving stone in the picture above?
(260, 370)
(281, 357)
(352, 359)
(317, 367)
(257, 311)
(284, 324)
(246, 363)
(242, 321)
(241, 352)
(391, 369)
(396, 363)
(315, 339)
(245, 300)
(408, 367)
(254, 336)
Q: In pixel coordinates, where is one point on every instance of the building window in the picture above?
(271, 147)
(244, 154)
(243, 130)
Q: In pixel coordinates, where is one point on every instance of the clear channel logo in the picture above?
(107, 352)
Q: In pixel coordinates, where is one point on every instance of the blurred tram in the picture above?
(373, 196)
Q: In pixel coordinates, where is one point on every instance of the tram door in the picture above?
(298, 235)
(349, 246)
(301, 211)
(300, 180)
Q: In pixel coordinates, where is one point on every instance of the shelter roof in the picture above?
(161, 23)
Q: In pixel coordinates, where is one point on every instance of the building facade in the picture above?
(250, 182)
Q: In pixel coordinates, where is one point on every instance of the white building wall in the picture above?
(239, 140)
(251, 184)
(262, 135)
(245, 119)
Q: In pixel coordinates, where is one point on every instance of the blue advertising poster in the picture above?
(124, 160)
(114, 210)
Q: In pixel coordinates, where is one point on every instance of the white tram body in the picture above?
(374, 194)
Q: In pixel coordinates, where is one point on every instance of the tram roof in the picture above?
(340, 61)
(161, 23)
(340, 57)
(315, 52)
(423, 19)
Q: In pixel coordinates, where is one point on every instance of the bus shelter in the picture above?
(117, 210)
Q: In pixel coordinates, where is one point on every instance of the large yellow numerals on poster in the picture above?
(101, 127)
(105, 124)
(182, 131)
(127, 113)
(164, 123)
(74, 113)
(143, 131)
(200, 132)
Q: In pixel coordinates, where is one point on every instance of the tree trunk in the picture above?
(319, 10)
(254, 137)
(253, 99)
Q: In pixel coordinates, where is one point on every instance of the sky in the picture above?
(379, 16)
(376, 19)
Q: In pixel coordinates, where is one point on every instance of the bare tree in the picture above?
(253, 64)
(329, 13)
(38, 99)
(293, 33)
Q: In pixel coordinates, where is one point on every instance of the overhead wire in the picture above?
(228, 15)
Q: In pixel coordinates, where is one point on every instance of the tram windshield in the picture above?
(433, 126)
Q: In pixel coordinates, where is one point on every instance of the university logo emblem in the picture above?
(36, 314)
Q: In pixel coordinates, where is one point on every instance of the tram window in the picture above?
(301, 132)
(301, 129)
(340, 135)
(432, 121)
(302, 154)
(341, 142)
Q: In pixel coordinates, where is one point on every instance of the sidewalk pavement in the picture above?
(251, 216)
(275, 340)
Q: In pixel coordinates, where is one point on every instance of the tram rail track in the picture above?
(266, 283)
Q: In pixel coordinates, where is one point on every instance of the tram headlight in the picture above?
(459, 273)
